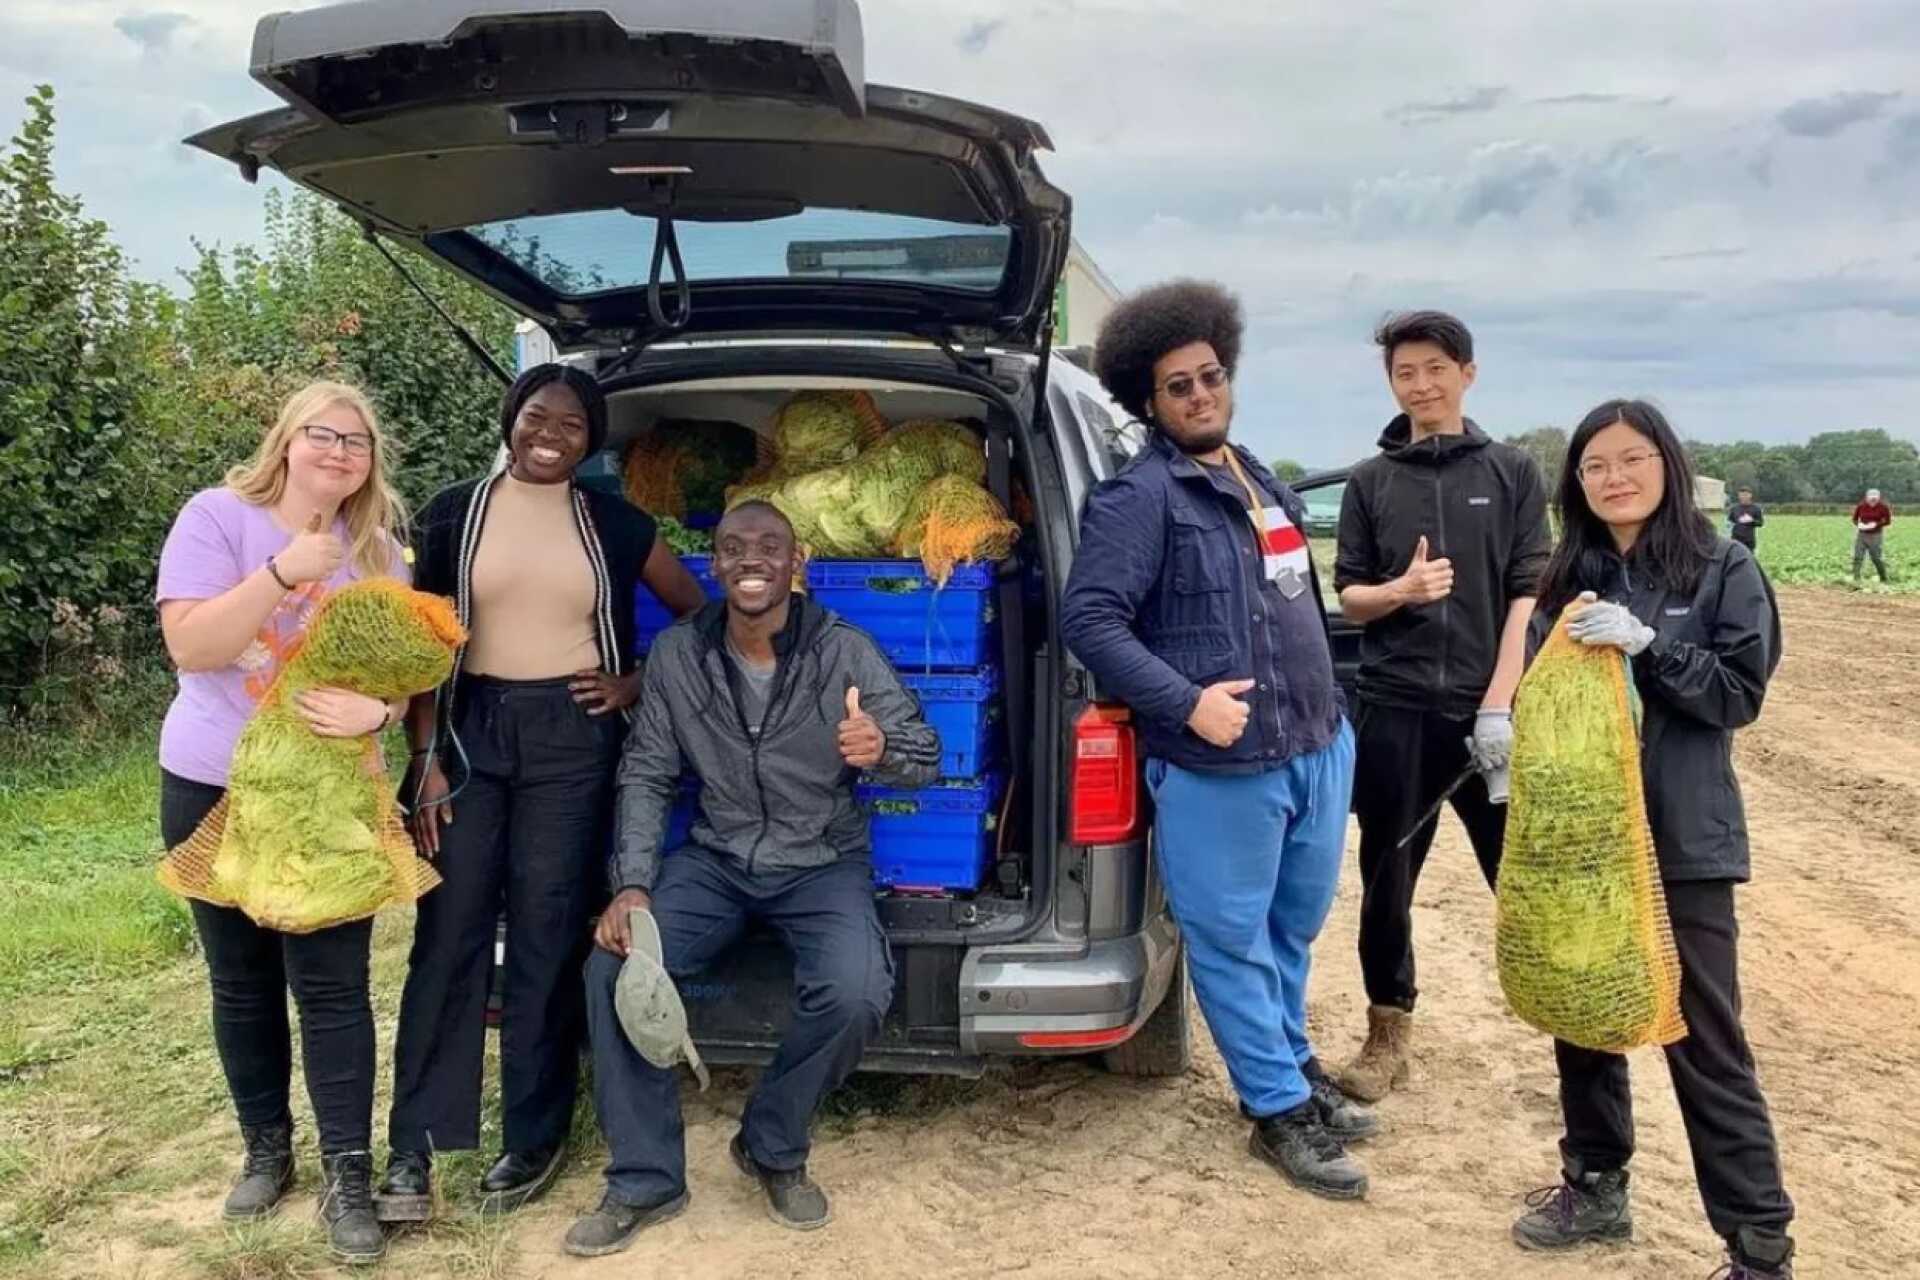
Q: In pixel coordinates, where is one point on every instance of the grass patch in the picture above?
(278, 1248)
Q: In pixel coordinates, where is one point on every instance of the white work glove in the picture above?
(1492, 742)
(1601, 622)
(1866, 526)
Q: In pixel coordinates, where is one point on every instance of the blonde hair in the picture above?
(375, 515)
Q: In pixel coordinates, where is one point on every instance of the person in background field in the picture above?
(1870, 521)
(1638, 569)
(1443, 536)
(243, 571)
(1744, 519)
(1193, 600)
(776, 705)
(542, 572)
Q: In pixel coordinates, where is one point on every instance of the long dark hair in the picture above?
(1671, 552)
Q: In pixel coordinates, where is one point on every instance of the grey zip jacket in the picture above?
(775, 796)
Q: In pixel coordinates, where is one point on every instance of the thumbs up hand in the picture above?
(1220, 716)
(861, 741)
(1426, 581)
(313, 555)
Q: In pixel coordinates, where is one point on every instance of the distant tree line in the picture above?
(1832, 467)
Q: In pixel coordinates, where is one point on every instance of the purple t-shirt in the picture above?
(216, 541)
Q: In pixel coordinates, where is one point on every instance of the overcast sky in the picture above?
(1715, 204)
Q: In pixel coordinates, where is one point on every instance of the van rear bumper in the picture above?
(1010, 993)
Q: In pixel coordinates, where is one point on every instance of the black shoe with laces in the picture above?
(793, 1199)
(1298, 1144)
(1344, 1118)
(406, 1193)
(346, 1206)
(1591, 1208)
(266, 1175)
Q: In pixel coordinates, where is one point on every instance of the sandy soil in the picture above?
(1056, 1169)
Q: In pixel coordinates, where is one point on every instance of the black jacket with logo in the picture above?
(1704, 676)
(1478, 503)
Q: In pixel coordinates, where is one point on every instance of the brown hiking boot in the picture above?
(1384, 1061)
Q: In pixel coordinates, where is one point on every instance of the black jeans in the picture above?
(1406, 759)
(251, 969)
(842, 985)
(530, 833)
(1735, 1158)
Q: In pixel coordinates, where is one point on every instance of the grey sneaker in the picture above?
(793, 1199)
(612, 1226)
(1298, 1144)
(266, 1175)
(1590, 1209)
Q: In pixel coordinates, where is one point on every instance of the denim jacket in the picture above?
(1168, 595)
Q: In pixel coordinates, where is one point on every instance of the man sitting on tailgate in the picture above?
(777, 704)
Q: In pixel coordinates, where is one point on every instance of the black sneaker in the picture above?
(1590, 1209)
(1344, 1118)
(265, 1176)
(1298, 1145)
(406, 1194)
(793, 1199)
(520, 1177)
(612, 1226)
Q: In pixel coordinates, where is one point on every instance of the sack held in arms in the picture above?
(1583, 940)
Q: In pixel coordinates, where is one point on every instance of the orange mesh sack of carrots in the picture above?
(1583, 941)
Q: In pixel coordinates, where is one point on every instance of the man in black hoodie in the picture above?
(1443, 538)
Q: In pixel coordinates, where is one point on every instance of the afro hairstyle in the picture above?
(1148, 325)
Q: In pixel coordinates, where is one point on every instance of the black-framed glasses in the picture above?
(1181, 385)
(358, 444)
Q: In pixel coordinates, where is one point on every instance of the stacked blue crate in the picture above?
(942, 641)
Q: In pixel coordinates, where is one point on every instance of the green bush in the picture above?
(119, 399)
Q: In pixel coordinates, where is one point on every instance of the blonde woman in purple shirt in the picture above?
(243, 570)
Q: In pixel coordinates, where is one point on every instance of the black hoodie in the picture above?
(1480, 504)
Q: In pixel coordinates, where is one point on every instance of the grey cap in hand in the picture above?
(648, 1003)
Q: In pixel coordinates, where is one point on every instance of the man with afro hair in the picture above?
(1194, 601)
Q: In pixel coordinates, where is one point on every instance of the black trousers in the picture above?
(529, 834)
(251, 969)
(1735, 1158)
(1406, 759)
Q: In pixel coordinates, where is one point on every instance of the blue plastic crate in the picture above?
(962, 708)
(945, 842)
(650, 617)
(918, 627)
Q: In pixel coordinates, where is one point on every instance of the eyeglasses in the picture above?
(1597, 469)
(358, 444)
(1180, 385)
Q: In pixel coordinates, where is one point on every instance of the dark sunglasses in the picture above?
(1180, 385)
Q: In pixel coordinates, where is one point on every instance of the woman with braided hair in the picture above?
(512, 786)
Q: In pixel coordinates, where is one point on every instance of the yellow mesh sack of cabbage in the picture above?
(308, 834)
(1582, 938)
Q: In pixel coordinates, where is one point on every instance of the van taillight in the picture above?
(1106, 777)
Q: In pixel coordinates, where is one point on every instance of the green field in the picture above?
(1818, 551)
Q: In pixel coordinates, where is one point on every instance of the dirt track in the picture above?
(1058, 1170)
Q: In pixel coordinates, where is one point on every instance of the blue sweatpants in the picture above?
(1250, 863)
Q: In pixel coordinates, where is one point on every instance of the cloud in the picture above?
(1512, 175)
(1825, 117)
(1700, 255)
(1472, 102)
(152, 31)
(1903, 147)
(1604, 182)
(976, 37)
(1602, 100)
